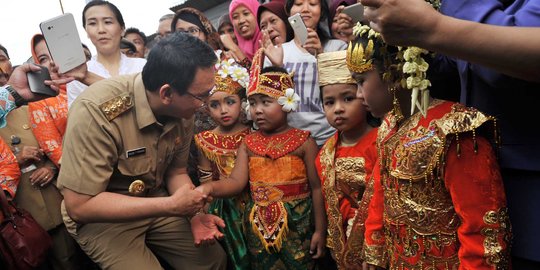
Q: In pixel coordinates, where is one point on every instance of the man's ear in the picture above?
(165, 94)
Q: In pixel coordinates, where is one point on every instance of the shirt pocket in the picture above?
(135, 166)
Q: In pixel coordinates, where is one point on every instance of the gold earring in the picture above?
(396, 111)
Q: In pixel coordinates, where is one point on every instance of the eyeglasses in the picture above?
(194, 31)
(201, 98)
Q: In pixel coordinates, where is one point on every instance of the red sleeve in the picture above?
(374, 243)
(45, 130)
(475, 185)
(9, 169)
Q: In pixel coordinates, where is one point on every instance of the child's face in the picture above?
(374, 92)
(244, 22)
(224, 108)
(343, 110)
(310, 10)
(266, 112)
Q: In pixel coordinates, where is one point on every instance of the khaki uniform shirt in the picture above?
(113, 141)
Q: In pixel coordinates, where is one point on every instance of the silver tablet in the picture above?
(63, 42)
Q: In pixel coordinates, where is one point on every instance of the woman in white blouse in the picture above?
(104, 26)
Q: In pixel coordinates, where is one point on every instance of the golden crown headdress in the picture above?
(409, 63)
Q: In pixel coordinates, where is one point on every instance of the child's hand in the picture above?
(318, 244)
(205, 189)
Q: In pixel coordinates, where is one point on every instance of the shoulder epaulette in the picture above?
(116, 106)
(462, 119)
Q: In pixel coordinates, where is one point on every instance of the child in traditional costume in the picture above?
(217, 155)
(439, 202)
(278, 163)
(345, 162)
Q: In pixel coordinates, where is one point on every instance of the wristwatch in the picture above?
(19, 101)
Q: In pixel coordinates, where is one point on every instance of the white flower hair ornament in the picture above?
(289, 101)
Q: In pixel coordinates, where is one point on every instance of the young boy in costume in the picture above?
(345, 162)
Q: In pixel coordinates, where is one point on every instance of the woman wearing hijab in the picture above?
(243, 14)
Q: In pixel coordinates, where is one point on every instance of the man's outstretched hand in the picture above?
(205, 229)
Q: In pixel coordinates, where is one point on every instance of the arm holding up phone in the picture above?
(17, 89)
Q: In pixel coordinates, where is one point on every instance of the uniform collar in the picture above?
(143, 112)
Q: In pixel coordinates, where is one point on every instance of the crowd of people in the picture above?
(244, 146)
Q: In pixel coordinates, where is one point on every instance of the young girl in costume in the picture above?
(277, 161)
(345, 162)
(218, 153)
(439, 201)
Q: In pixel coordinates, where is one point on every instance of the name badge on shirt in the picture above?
(135, 152)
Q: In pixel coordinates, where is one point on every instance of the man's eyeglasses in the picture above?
(194, 31)
(202, 98)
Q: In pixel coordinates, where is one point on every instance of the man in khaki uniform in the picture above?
(127, 195)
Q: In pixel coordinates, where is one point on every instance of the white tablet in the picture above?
(63, 42)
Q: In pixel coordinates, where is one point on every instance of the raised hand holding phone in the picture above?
(299, 28)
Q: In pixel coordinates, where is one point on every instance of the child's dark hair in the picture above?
(274, 69)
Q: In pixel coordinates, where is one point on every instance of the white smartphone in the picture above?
(299, 28)
(63, 42)
(355, 11)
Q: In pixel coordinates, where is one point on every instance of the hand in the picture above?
(79, 73)
(273, 52)
(42, 176)
(186, 201)
(317, 245)
(227, 41)
(29, 154)
(206, 189)
(204, 228)
(397, 20)
(19, 82)
(345, 24)
(313, 43)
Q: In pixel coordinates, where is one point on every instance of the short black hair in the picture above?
(133, 30)
(4, 50)
(175, 60)
(113, 8)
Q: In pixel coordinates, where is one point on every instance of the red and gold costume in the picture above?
(10, 172)
(279, 226)
(440, 201)
(221, 151)
(346, 177)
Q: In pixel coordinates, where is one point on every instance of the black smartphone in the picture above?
(36, 81)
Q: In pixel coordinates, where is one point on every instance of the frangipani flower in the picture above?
(289, 101)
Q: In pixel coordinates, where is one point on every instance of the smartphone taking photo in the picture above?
(299, 28)
(355, 11)
(36, 81)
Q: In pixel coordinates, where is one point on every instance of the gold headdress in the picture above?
(409, 63)
(230, 77)
(333, 68)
